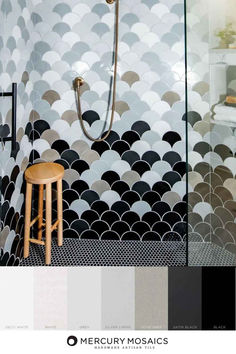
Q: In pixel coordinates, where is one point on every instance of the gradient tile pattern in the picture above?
(131, 186)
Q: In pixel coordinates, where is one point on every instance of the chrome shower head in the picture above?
(110, 1)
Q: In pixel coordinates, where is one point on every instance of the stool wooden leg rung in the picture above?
(43, 174)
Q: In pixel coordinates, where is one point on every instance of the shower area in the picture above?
(156, 184)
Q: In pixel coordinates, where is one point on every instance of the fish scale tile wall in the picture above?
(133, 185)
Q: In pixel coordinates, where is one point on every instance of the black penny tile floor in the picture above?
(130, 253)
(76, 252)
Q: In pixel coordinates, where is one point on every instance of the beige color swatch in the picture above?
(151, 298)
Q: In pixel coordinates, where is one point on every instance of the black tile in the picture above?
(130, 197)
(130, 217)
(100, 147)
(63, 163)
(80, 166)
(70, 195)
(70, 215)
(112, 137)
(110, 217)
(141, 167)
(99, 206)
(70, 156)
(120, 187)
(90, 216)
(151, 157)
(151, 217)
(9, 216)
(120, 207)
(141, 187)
(141, 227)
(151, 197)
(60, 146)
(171, 137)
(34, 135)
(151, 236)
(14, 173)
(90, 117)
(131, 136)
(161, 208)
(110, 235)
(171, 157)
(40, 126)
(161, 187)
(181, 228)
(130, 236)
(89, 235)
(161, 227)
(181, 167)
(130, 156)
(120, 146)
(120, 227)
(181, 208)
(90, 196)
(171, 177)
(99, 226)
(171, 217)
(70, 233)
(140, 127)
(110, 177)
(9, 191)
(79, 186)
(80, 226)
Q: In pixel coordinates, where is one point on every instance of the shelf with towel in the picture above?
(224, 115)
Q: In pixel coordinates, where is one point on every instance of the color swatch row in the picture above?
(118, 298)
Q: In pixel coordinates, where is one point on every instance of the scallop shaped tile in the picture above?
(110, 197)
(202, 209)
(79, 206)
(89, 177)
(161, 147)
(120, 187)
(110, 217)
(130, 177)
(79, 226)
(120, 167)
(80, 166)
(89, 216)
(140, 147)
(80, 146)
(140, 208)
(120, 207)
(110, 156)
(90, 156)
(99, 166)
(230, 184)
(171, 198)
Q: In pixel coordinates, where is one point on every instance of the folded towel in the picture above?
(222, 109)
(225, 117)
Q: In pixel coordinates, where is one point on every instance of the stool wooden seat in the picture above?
(42, 174)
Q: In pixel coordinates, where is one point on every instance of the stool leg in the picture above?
(27, 218)
(48, 222)
(59, 213)
(40, 212)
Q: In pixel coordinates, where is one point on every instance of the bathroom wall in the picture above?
(15, 50)
(212, 155)
(132, 186)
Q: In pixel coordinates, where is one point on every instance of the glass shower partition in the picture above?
(211, 54)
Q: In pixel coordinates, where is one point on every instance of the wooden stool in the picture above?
(43, 173)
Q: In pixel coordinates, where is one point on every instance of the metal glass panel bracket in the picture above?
(5, 129)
